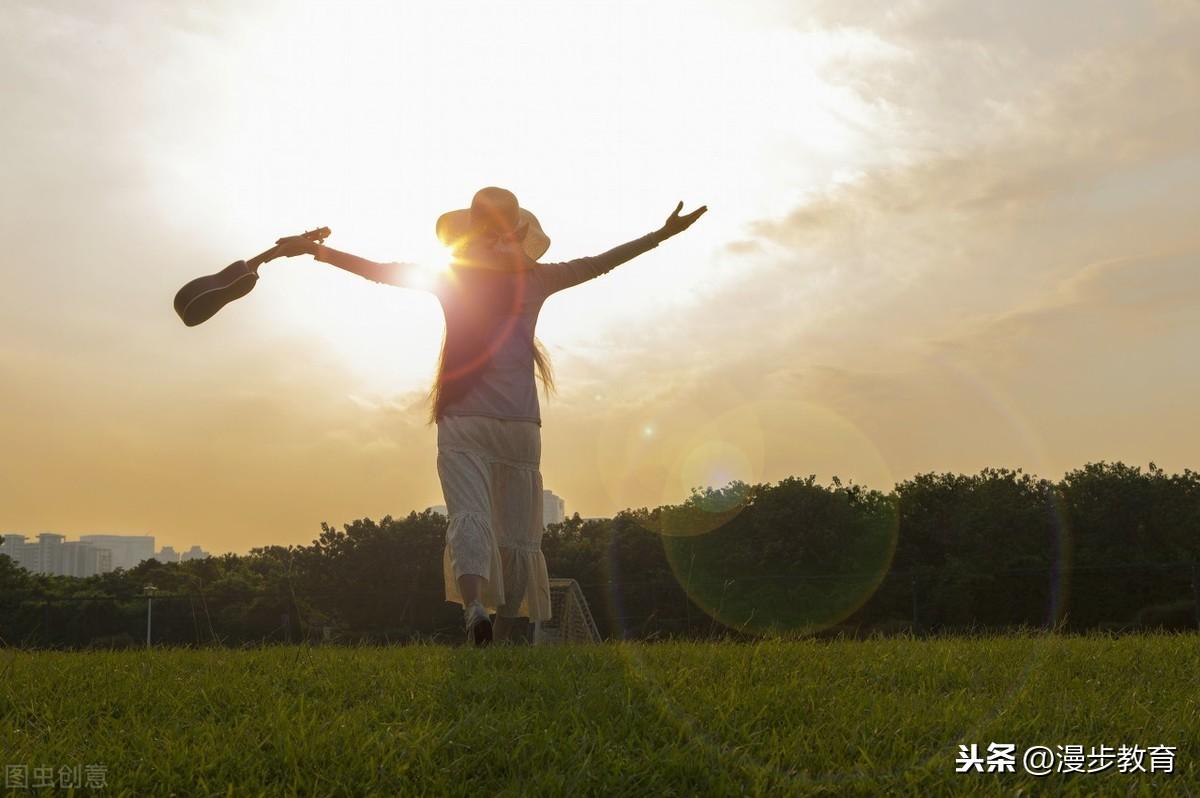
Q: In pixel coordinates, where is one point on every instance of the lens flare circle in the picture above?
(692, 724)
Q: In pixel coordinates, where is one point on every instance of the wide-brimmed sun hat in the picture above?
(496, 209)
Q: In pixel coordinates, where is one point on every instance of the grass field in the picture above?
(777, 718)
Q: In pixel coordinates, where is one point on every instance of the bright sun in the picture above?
(436, 260)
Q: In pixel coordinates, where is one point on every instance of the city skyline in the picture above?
(90, 555)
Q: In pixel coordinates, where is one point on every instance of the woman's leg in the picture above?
(517, 488)
(479, 627)
(502, 628)
(470, 585)
(468, 562)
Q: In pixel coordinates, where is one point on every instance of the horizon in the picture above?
(940, 239)
(440, 509)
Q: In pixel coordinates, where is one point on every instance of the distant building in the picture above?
(48, 555)
(167, 554)
(90, 555)
(54, 556)
(194, 553)
(127, 550)
(554, 509)
(14, 547)
(440, 509)
(81, 558)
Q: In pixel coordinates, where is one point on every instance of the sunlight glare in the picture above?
(433, 262)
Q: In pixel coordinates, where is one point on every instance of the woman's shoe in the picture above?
(479, 625)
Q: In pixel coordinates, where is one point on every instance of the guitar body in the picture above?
(200, 299)
(197, 301)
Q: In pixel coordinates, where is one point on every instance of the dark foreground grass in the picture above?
(878, 717)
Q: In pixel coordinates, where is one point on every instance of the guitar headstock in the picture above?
(319, 235)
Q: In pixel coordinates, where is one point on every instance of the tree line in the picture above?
(1109, 546)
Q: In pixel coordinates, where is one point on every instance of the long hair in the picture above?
(482, 310)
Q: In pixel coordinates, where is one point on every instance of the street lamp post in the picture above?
(149, 591)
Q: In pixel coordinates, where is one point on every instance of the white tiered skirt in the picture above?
(489, 469)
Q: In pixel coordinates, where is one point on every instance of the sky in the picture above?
(941, 237)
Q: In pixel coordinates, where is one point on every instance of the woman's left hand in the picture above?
(291, 246)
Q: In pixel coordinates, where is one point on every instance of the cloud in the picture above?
(1011, 280)
(1099, 369)
(1104, 310)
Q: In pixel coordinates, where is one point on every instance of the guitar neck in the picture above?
(262, 257)
(318, 235)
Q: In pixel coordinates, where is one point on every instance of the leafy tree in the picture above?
(1108, 545)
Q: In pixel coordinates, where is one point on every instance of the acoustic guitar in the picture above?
(197, 301)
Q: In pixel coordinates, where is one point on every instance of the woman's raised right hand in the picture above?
(677, 224)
